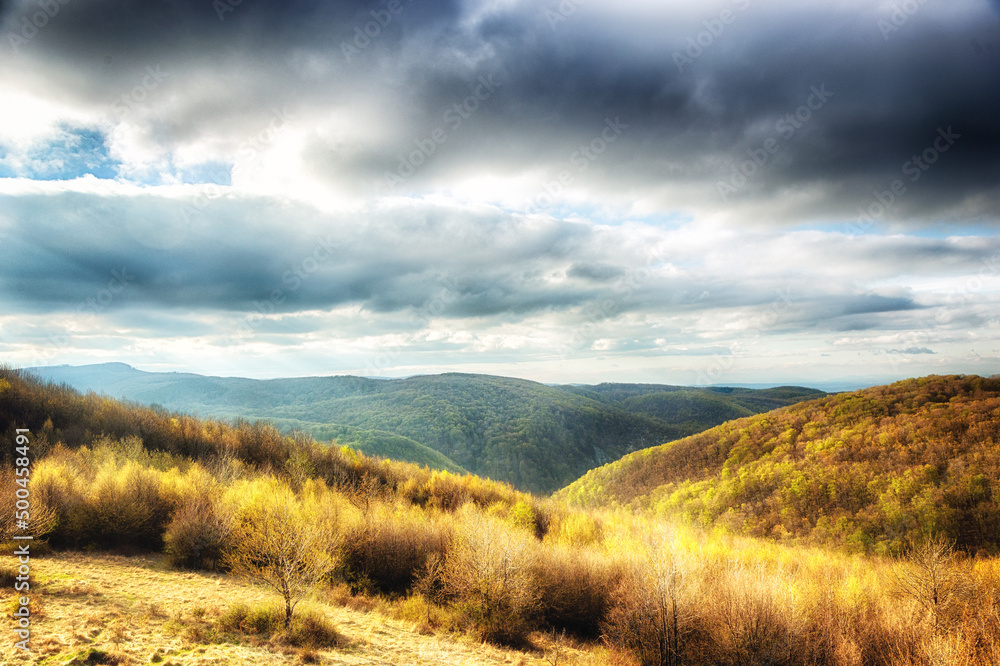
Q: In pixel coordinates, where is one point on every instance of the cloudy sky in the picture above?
(567, 191)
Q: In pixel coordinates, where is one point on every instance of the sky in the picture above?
(744, 191)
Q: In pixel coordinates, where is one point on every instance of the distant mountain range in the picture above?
(535, 436)
(869, 469)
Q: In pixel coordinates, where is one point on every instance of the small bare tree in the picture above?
(364, 493)
(430, 582)
(280, 543)
(935, 579)
(650, 616)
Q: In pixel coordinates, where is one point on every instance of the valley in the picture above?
(535, 436)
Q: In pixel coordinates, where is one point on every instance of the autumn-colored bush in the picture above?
(490, 571)
(101, 498)
(29, 511)
(200, 529)
(575, 589)
(385, 551)
(311, 629)
(252, 620)
(654, 613)
(751, 621)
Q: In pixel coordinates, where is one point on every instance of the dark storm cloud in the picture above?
(126, 28)
(873, 303)
(745, 98)
(806, 97)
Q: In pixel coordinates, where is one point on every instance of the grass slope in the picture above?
(139, 611)
(378, 443)
(535, 436)
(870, 469)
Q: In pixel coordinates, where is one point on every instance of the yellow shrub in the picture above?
(200, 529)
(576, 529)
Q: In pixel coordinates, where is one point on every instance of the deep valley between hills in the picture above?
(534, 436)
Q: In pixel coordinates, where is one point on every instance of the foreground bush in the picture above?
(652, 613)
(575, 588)
(489, 570)
(385, 551)
(258, 621)
(103, 499)
(199, 531)
(310, 629)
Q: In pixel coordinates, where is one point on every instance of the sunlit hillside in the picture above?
(870, 469)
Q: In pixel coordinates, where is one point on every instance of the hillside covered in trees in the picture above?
(870, 469)
(311, 528)
(534, 436)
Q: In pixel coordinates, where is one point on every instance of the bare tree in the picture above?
(650, 615)
(935, 579)
(280, 543)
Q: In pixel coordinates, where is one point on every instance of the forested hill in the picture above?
(868, 469)
(535, 436)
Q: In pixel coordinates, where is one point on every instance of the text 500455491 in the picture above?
(22, 515)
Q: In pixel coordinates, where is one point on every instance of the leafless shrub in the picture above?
(489, 570)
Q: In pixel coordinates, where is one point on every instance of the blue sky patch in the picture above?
(73, 152)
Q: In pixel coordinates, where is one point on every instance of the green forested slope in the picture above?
(535, 436)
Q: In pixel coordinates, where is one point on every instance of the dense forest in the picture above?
(870, 469)
(534, 436)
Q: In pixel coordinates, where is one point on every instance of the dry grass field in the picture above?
(107, 609)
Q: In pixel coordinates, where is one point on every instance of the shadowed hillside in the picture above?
(534, 436)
